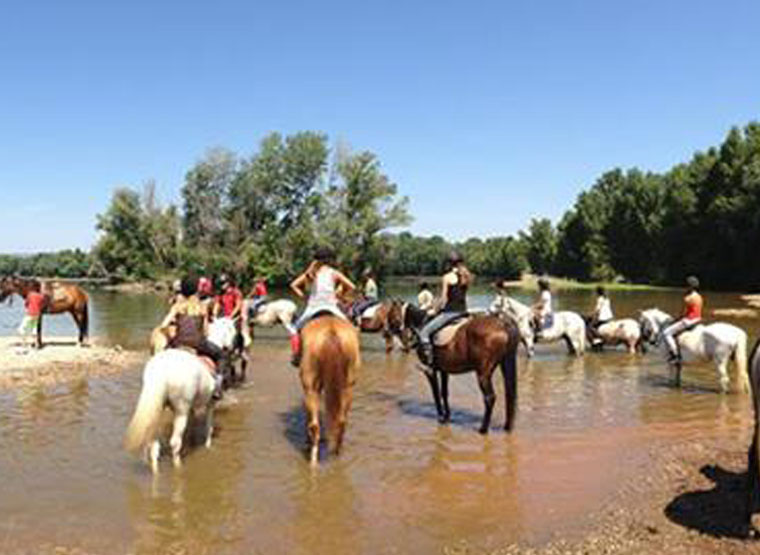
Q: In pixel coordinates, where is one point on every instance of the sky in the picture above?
(485, 113)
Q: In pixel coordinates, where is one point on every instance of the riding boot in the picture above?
(218, 388)
(295, 348)
(425, 352)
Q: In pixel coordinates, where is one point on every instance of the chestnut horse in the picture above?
(479, 344)
(61, 297)
(374, 319)
(330, 361)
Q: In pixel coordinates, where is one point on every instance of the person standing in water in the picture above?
(327, 284)
(690, 316)
(425, 298)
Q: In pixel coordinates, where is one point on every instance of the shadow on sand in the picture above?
(719, 512)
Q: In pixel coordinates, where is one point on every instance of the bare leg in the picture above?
(209, 425)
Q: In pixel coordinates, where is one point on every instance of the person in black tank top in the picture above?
(454, 285)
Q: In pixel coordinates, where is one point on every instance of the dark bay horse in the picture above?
(329, 363)
(59, 298)
(479, 345)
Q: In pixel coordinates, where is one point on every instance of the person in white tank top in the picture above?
(542, 309)
(327, 284)
(601, 315)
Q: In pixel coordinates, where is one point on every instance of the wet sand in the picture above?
(60, 360)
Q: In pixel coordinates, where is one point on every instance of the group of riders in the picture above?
(326, 290)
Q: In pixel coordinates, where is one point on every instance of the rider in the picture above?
(601, 315)
(327, 284)
(690, 316)
(454, 284)
(543, 314)
(425, 298)
(230, 303)
(258, 295)
(370, 293)
(191, 320)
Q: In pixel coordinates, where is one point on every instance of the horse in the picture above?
(479, 343)
(402, 324)
(181, 381)
(330, 361)
(753, 466)
(566, 325)
(624, 331)
(271, 313)
(374, 319)
(59, 298)
(716, 342)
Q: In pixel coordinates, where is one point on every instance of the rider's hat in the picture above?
(454, 258)
(693, 282)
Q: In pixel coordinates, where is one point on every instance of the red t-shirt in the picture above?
(204, 286)
(229, 300)
(260, 289)
(33, 303)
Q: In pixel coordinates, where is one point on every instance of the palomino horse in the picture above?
(625, 331)
(330, 361)
(753, 471)
(566, 325)
(716, 342)
(479, 344)
(177, 379)
(61, 297)
(271, 313)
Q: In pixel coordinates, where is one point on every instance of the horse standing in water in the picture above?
(374, 319)
(177, 379)
(566, 325)
(753, 467)
(58, 299)
(718, 342)
(270, 313)
(475, 343)
(623, 331)
(330, 361)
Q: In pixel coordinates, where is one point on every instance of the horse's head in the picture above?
(651, 322)
(222, 333)
(7, 288)
(395, 317)
(509, 309)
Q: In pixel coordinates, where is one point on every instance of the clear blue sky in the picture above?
(486, 113)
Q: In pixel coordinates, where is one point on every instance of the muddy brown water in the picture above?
(585, 432)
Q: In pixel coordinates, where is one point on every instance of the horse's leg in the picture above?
(152, 452)
(209, 426)
(346, 398)
(509, 374)
(180, 424)
(445, 397)
(388, 342)
(489, 396)
(79, 323)
(311, 403)
(752, 479)
(723, 375)
(39, 333)
(432, 377)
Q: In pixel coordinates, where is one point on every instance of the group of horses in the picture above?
(478, 342)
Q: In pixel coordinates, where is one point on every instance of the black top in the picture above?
(457, 297)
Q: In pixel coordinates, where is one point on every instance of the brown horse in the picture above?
(753, 471)
(479, 344)
(59, 298)
(330, 361)
(376, 321)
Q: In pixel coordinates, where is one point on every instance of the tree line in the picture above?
(265, 214)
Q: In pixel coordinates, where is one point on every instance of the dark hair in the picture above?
(454, 258)
(543, 283)
(424, 285)
(693, 282)
(600, 290)
(324, 254)
(188, 287)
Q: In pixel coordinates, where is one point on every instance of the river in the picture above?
(584, 433)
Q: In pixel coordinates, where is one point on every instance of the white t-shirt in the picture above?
(603, 309)
(425, 299)
(546, 302)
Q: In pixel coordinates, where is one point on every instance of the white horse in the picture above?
(182, 381)
(626, 331)
(271, 313)
(566, 325)
(716, 342)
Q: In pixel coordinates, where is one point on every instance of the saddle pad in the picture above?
(370, 311)
(446, 334)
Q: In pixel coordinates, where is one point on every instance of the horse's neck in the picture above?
(517, 307)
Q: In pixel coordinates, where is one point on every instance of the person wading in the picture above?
(690, 316)
(327, 284)
(454, 285)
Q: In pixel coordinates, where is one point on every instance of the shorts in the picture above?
(28, 325)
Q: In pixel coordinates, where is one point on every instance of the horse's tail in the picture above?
(509, 372)
(338, 360)
(142, 428)
(740, 359)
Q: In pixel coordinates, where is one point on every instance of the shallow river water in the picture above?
(403, 484)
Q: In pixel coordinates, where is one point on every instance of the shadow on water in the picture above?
(719, 512)
(426, 409)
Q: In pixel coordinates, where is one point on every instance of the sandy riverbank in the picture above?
(59, 361)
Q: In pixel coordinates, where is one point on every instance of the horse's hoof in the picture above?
(483, 431)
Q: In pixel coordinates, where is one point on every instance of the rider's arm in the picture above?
(169, 317)
(297, 284)
(444, 291)
(344, 285)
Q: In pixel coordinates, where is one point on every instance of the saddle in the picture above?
(690, 327)
(444, 335)
(369, 311)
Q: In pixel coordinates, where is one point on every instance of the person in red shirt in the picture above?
(690, 316)
(258, 296)
(33, 304)
(230, 303)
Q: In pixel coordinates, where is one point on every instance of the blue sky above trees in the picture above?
(486, 114)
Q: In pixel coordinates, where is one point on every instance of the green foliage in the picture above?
(63, 264)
